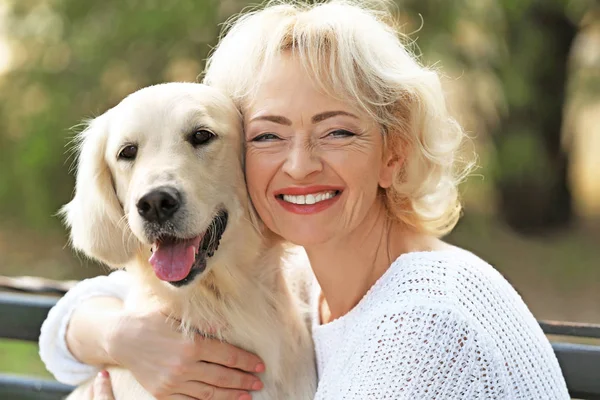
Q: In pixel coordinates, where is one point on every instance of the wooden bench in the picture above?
(21, 315)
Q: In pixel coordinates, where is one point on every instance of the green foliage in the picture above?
(18, 357)
(520, 156)
(75, 60)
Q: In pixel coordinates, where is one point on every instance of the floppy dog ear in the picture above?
(95, 216)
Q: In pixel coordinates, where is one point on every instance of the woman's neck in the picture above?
(348, 267)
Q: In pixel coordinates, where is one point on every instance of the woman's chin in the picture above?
(305, 237)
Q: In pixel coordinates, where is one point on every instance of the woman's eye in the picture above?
(128, 153)
(201, 137)
(340, 133)
(265, 137)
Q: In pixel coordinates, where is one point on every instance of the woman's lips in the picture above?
(304, 190)
(308, 199)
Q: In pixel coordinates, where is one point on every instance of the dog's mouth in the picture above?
(179, 260)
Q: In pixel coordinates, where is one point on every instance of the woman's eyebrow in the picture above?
(278, 119)
(273, 118)
(329, 114)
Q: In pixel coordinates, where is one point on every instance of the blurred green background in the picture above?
(523, 76)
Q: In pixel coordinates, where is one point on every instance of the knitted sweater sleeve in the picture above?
(422, 351)
(53, 346)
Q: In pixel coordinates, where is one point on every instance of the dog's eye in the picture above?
(128, 152)
(201, 137)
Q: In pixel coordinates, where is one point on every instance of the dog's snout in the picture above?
(159, 205)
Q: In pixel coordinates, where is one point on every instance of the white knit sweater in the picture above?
(436, 325)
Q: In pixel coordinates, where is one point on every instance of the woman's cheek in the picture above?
(259, 170)
(253, 181)
(252, 161)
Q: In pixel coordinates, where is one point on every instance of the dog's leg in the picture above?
(124, 385)
(82, 392)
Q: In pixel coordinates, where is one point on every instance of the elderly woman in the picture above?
(350, 153)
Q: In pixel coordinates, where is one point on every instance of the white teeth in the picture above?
(309, 198)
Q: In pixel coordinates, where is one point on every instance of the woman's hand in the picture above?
(170, 366)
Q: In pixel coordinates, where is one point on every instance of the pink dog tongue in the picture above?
(172, 261)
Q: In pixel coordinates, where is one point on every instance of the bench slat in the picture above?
(580, 365)
(23, 388)
(570, 329)
(21, 315)
(26, 312)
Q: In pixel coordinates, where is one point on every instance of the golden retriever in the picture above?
(160, 191)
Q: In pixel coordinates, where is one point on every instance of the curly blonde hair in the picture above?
(354, 53)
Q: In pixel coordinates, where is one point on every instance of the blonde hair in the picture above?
(354, 53)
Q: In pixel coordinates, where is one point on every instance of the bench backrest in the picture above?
(21, 316)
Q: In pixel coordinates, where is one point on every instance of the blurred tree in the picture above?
(533, 189)
(529, 47)
(72, 60)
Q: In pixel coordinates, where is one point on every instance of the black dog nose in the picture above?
(159, 205)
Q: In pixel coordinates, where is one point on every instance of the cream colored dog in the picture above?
(160, 191)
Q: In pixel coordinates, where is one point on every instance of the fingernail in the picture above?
(245, 396)
(260, 368)
(103, 374)
(257, 385)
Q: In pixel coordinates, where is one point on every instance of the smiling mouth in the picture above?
(179, 260)
(309, 199)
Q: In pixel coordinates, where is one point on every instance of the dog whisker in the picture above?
(127, 234)
(75, 143)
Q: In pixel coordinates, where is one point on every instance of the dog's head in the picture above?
(160, 175)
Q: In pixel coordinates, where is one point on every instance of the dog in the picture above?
(160, 191)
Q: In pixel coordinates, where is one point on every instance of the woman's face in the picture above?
(313, 163)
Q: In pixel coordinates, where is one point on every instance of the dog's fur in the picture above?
(242, 291)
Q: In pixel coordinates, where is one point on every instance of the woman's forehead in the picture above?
(309, 105)
(289, 87)
(289, 96)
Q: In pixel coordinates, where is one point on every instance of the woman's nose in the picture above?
(302, 161)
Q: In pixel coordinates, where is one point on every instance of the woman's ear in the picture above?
(96, 218)
(390, 162)
(386, 174)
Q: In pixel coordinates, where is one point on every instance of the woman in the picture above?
(350, 153)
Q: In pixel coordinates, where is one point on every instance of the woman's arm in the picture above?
(56, 353)
(88, 329)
